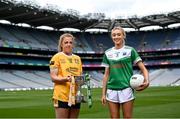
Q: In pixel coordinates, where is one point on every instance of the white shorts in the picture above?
(120, 96)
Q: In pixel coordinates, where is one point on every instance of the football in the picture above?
(136, 80)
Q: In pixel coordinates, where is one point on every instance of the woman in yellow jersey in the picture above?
(64, 65)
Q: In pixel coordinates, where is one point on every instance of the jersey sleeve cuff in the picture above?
(137, 60)
(104, 65)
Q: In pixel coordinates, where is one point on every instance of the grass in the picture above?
(154, 102)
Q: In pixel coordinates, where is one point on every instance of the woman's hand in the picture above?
(68, 78)
(103, 100)
(143, 86)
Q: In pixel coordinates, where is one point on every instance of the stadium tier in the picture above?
(13, 36)
(31, 49)
(25, 51)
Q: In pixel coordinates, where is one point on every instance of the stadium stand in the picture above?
(25, 52)
(20, 81)
(166, 78)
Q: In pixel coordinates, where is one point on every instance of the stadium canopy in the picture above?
(34, 16)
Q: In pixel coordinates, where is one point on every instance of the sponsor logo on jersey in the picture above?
(72, 70)
(117, 66)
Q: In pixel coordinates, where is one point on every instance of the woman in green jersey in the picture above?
(118, 62)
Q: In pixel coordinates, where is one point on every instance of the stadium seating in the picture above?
(98, 42)
(166, 77)
(17, 79)
(13, 36)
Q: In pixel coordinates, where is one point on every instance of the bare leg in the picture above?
(127, 109)
(74, 113)
(62, 113)
(114, 109)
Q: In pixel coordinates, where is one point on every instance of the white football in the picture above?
(136, 80)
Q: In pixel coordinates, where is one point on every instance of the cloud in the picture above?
(115, 8)
(147, 7)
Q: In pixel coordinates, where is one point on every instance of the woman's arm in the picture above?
(104, 81)
(145, 74)
(57, 79)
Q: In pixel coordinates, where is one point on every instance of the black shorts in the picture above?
(65, 105)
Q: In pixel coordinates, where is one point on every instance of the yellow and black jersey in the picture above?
(66, 66)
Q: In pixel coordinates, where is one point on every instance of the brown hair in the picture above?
(62, 38)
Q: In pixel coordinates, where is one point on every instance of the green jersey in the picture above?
(120, 64)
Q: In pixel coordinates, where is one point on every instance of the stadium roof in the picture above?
(32, 15)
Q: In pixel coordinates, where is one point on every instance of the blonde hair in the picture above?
(121, 29)
(62, 38)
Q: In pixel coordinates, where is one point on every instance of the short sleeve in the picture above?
(135, 56)
(105, 62)
(54, 62)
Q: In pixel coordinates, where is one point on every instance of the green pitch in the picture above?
(157, 102)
